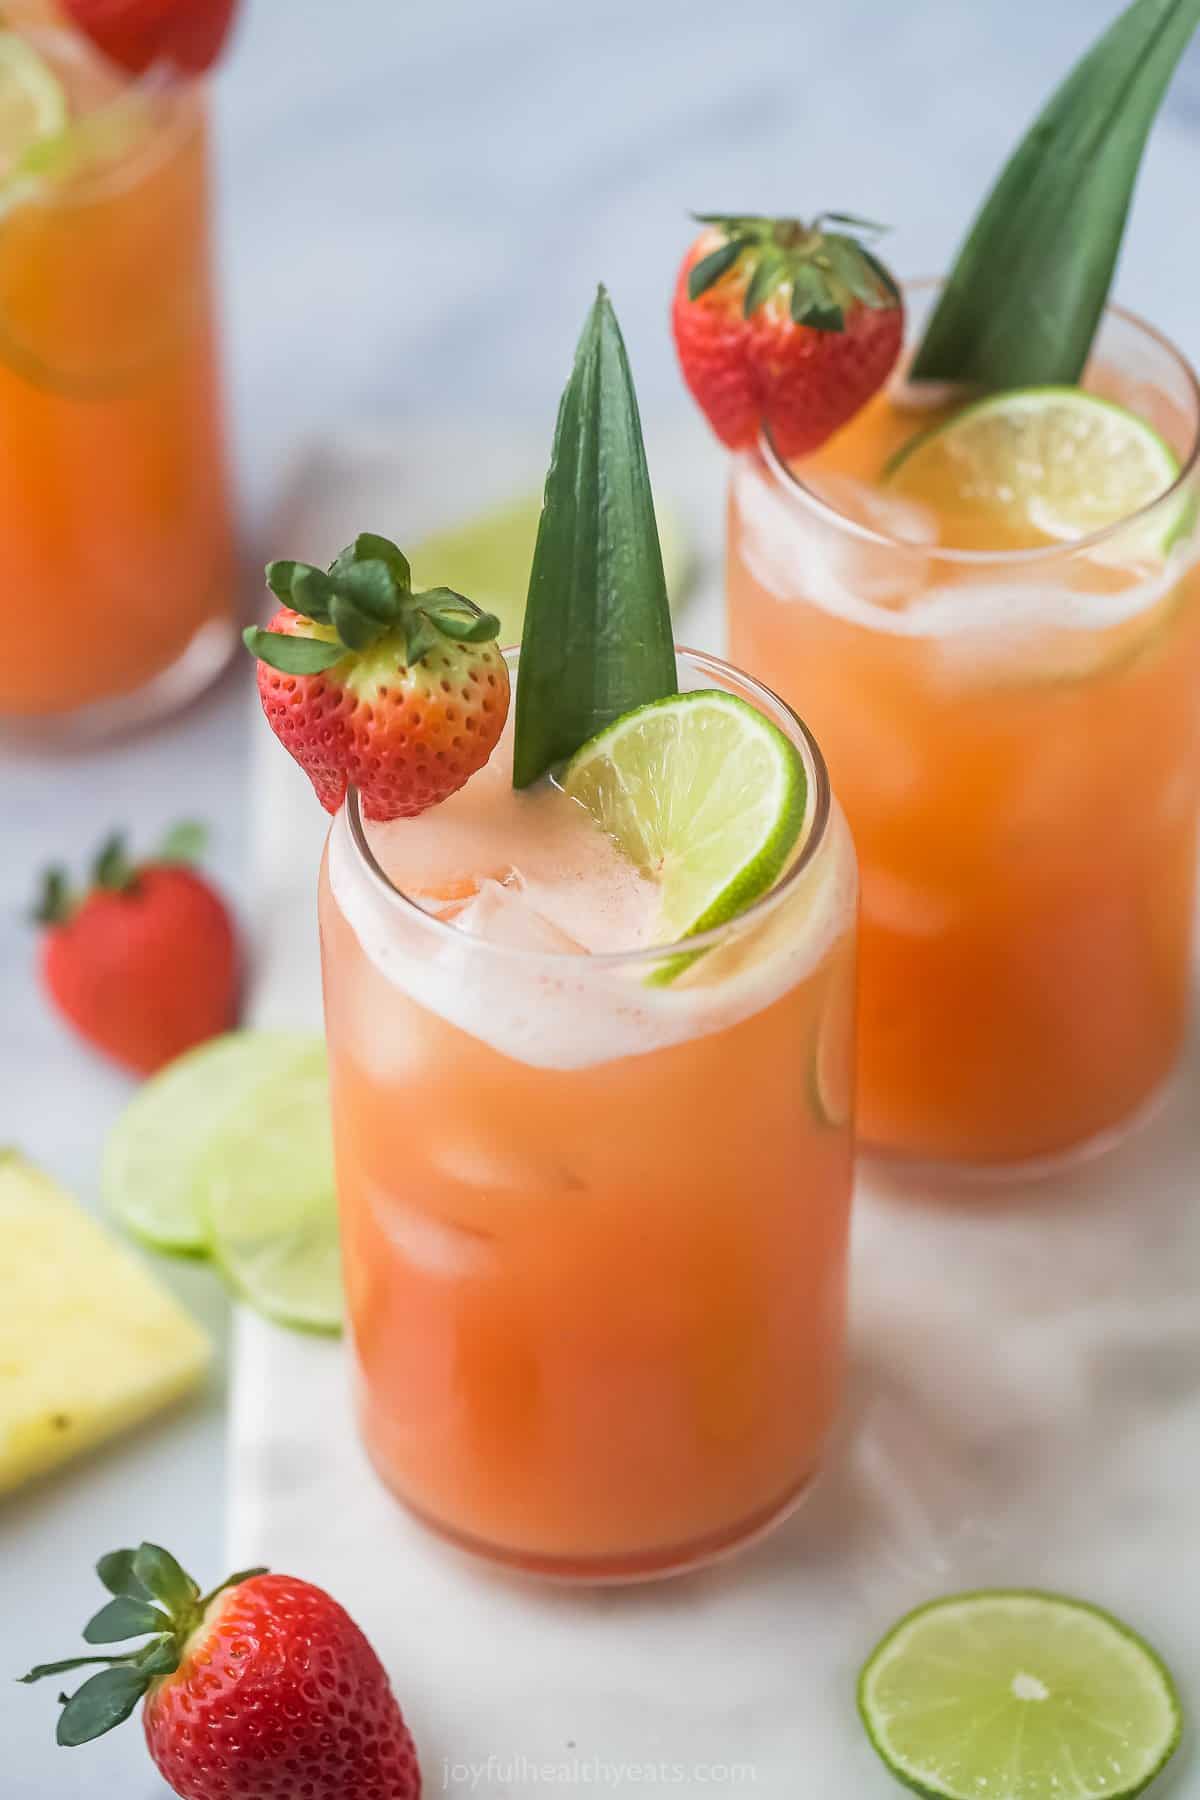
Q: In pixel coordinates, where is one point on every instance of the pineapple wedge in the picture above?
(90, 1344)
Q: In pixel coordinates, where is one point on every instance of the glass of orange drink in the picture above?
(1011, 721)
(115, 522)
(594, 1194)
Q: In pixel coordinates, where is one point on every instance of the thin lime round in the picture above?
(1055, 459)
(703, 794)
(33, 101)
(268, 1185)
(1019, 1695)
(151, 1179)
(489, 558)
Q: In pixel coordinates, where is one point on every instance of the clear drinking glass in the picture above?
(1014, 734)
(116, 541)
(594, 1228)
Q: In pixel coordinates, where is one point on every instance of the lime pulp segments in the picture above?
(1062, 460)
(703, 794)
(268, 1186)
(1017, 1695)
(152, 1172)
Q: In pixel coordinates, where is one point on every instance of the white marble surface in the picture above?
(1023, 1408)
(416, 205)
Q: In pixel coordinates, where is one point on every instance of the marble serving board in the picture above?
(1023, 1407)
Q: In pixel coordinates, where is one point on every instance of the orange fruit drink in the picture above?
(594, 1205)
(114, 507)
(1010, 717)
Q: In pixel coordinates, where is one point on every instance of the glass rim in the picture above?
(39, 188)
(786, 477)
(815, 832)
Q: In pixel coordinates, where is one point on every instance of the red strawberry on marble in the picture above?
(264, 1689)
(144, 964)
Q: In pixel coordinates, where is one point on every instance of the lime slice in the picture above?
(489, 558)
(1046, 463)
(152, 1179)
(33, 101)
(703, 794)
(1015, 1695)
(268, 1182)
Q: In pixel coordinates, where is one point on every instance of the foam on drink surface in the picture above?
(527, 869)
(527, 899)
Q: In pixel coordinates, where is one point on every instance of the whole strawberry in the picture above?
(368, 685)
(264, 1688)
(144, 964)
(187, 35)
(784, 325)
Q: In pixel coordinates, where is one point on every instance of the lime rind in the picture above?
(151, 1179)
(704, 795)
(1075, 465)
(1133, 1662)
(268, 1185)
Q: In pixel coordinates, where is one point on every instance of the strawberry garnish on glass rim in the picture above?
(402, 696)
(187, 35)
(784, 325)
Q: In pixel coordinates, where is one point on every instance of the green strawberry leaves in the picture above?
(365, 594)
(123, 1618)
(116, 1572)
(292, 655)
(135, 1579)
(100, 1704)
(709, 270)
(597, 639)
(114, 870)
(1025, 296)
(823, 273)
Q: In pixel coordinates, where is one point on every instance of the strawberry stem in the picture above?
(823, 273)
(153, 1597)
(365, 594)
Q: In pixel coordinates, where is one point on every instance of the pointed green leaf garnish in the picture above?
(597, 638)
(1025, 297)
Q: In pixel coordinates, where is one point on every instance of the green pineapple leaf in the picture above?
(1023, 302)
